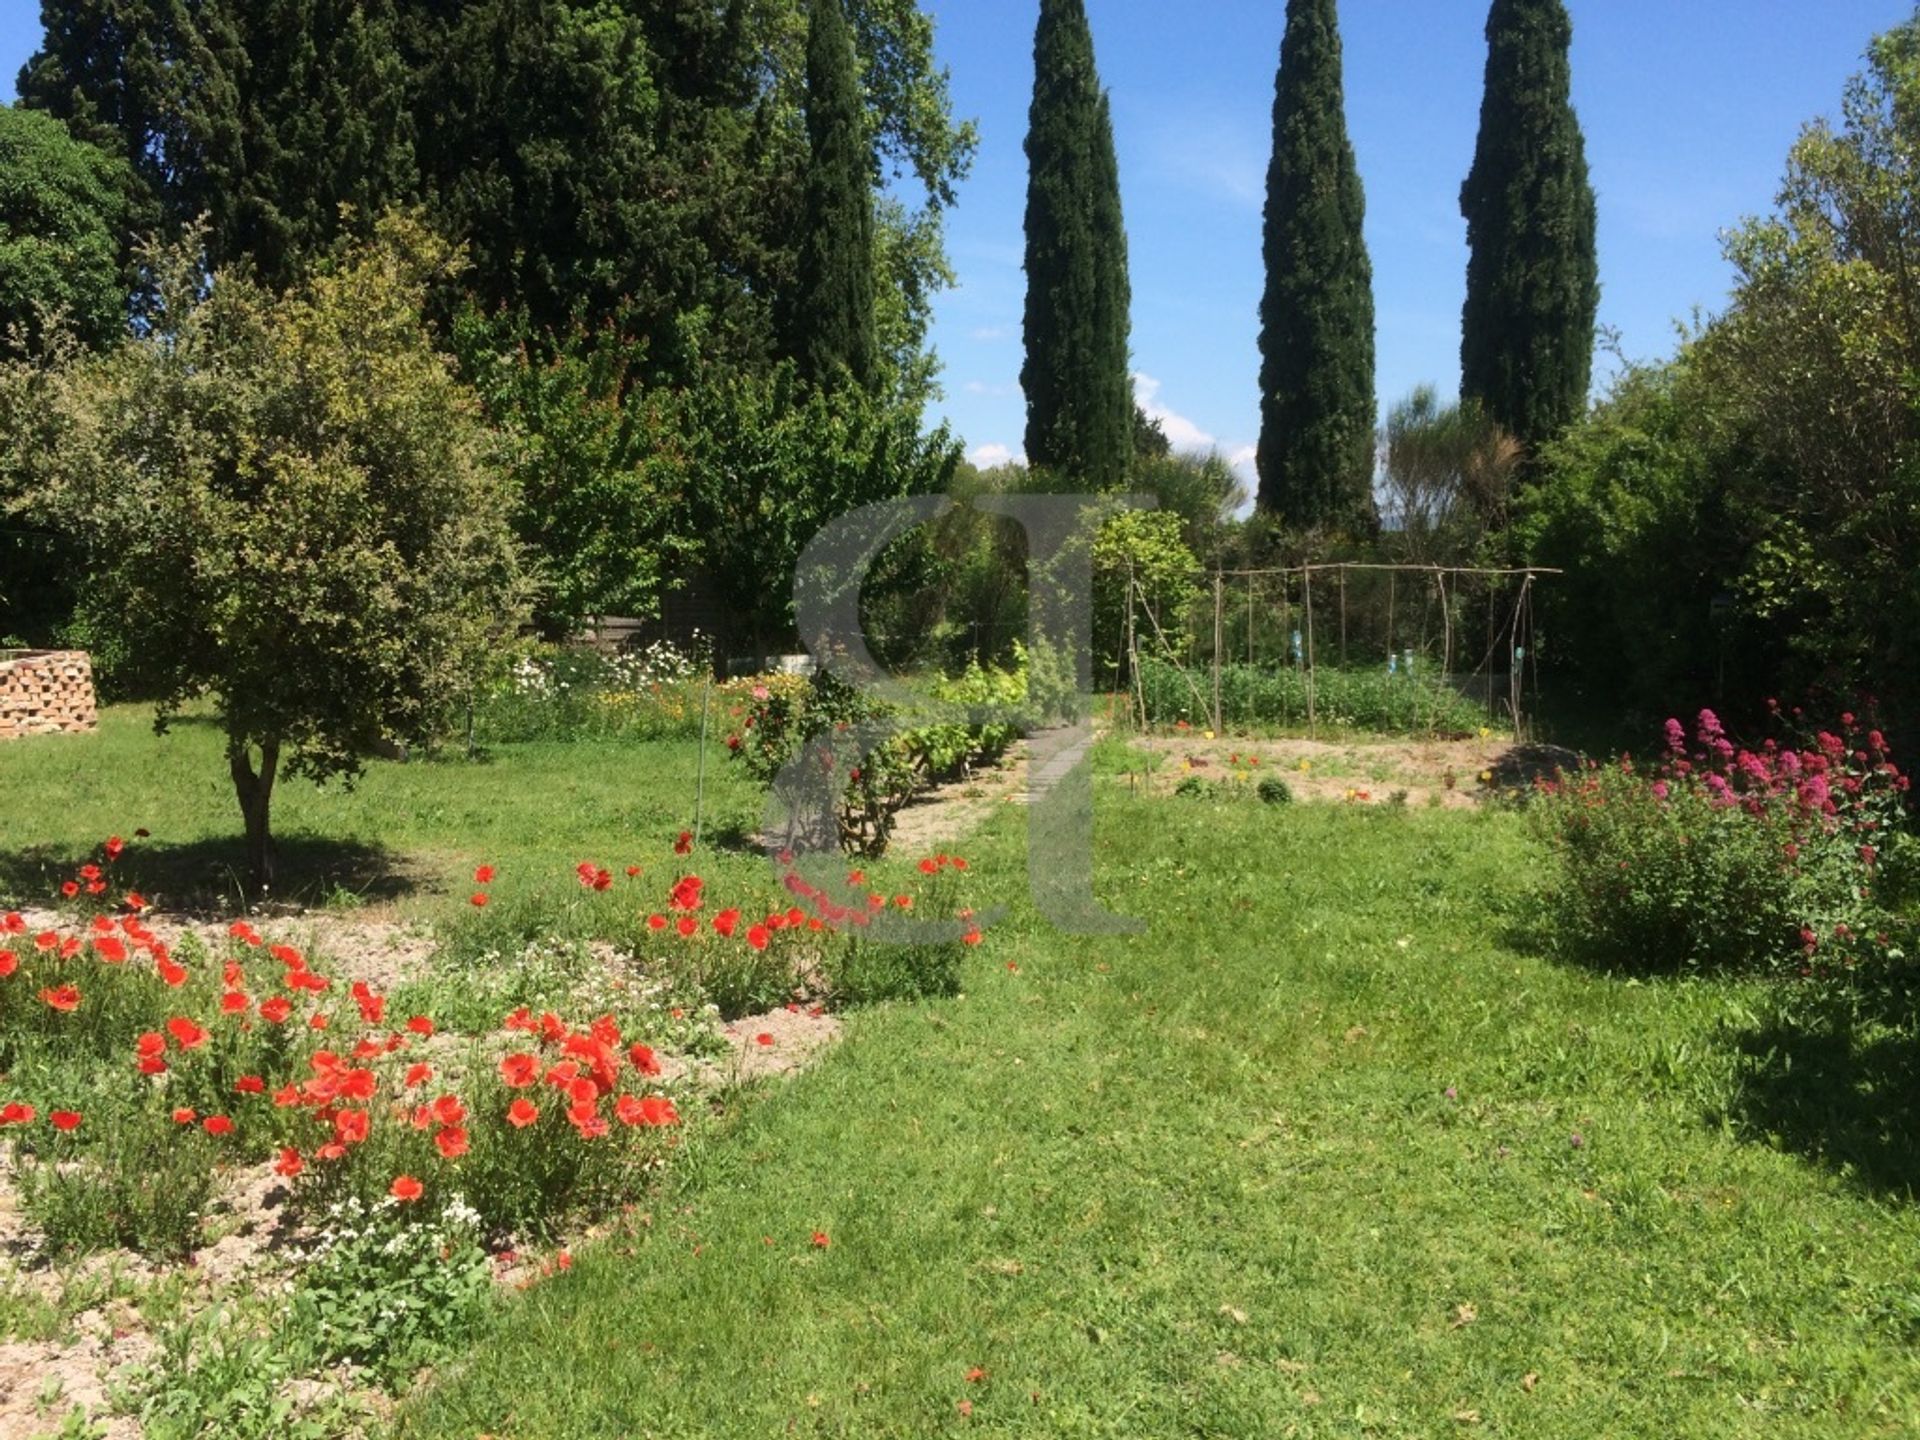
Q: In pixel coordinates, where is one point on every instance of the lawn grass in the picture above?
(1205, 1180)
(1208, 1181)
(406, 834)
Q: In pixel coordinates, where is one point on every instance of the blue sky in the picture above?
(1688, 109)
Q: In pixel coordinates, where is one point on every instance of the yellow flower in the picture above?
(1305, 765)
(1207, 733)
(1486, 777)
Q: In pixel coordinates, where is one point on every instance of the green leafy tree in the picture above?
(266, 118)
(770, 461)
(63, 212)
(1741, 522)
(597, 477)
(1080, 412)
(1448, 475)
(290, 508)
(596, 157)
(1533, 275)
(1316, 318)
(831, 327)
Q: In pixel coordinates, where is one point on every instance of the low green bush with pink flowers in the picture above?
(1781, 855)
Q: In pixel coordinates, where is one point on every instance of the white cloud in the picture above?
(981, 387)
(988, 456)
(1181, 432)
(1243, 463)
(990, 332)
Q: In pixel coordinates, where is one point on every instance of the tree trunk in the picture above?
(255, 792)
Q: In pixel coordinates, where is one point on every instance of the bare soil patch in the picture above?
(1360, 770)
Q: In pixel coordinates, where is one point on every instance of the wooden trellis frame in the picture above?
(1447, 584)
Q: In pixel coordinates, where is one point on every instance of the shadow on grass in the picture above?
(209, 876)
(1843, 1090)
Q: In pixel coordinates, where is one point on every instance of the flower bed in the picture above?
(149, 1066)
(1721, 855)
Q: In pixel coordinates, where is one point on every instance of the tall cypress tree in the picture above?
(1316, 319)
(831, 331)
(1079, 399)
(1533, 277)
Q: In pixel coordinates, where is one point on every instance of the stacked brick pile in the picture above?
(46, 692)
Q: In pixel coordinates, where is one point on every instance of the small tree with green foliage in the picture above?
(63, 212)
(290, 507)
(598, 485)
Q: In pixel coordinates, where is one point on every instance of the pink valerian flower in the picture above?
(1661, 790)
(1676, 737)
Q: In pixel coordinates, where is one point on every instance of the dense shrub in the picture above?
(1725, 857)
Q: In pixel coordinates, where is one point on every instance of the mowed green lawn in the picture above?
(1206, 1180)
(405, 834)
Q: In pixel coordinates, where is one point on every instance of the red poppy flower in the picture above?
(46, 940)
(111, 950)
(643, 1060)
(406, 1189)
(763, 1038)
(9, 962)
(234, 1003)
(15, 1113)
(448, 1110)
(656, 922)
(452, 1142)
(687, 927)
(70, 889)
(65, 1120)
(480, 899)
(66, 998)
(218, 1125)
(657, 1110)
(250, 1085)
(972, 937)
(185, 1115)
(519, 1070)
(820, 1240)
(725, 922)
(350, 1126)
(927, 867)
(420, 1025)
(276, 1009)
(418, 1075)
(758, 936)
(522, 1113)
(289, 1164)
(170, 973)
(684, 843)
(483, 875)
